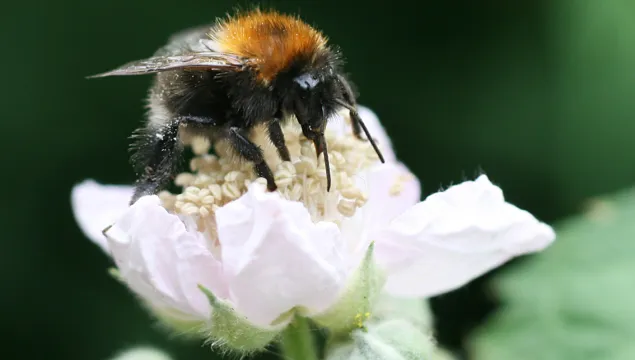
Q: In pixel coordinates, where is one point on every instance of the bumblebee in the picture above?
(222, 80)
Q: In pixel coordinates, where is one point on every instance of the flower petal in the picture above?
(275, 258)
(341, 125)
(392, 189)
(197, 266)
(455, 236)
(97, 206)
(162, 261)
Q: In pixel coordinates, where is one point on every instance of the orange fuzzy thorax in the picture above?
(270, 39)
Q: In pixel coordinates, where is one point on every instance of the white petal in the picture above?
(392, 189)
(455, 236)
(275, 258)
(197, 266)
(341, 125)
(97, 206)
(162, 261)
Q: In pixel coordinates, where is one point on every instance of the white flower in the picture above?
(264, 255)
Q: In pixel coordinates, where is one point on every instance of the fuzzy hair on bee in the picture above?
(221, 81)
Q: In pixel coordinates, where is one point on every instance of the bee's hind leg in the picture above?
(157, 154)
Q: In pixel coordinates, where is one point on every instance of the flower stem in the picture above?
(297, 342)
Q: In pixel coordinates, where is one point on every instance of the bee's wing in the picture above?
(198, 60)
(188, 40)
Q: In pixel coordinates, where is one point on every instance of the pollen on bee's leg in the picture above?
(215, 180)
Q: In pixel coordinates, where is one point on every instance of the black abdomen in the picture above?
(195, 94)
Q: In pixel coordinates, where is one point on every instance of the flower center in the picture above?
(215, 180)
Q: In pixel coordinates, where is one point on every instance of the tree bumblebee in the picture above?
(221, 80)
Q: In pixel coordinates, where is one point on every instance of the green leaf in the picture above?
(576, 300)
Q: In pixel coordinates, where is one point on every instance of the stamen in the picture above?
(398, 186)
(215, 180)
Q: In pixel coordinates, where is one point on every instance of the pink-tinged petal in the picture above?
(275, 258)
(392, 189)
(455, 236)
(197, 266)
(97, 206)
(341, 125)
(161, 260)
(125, 239)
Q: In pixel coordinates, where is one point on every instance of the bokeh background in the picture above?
(537, 94)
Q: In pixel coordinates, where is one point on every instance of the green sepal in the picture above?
(355, 305)
(114, 272)
(231, 331)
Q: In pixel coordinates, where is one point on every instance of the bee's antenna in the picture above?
(356, 118)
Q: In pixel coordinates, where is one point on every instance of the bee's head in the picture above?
(310, 95)
(313, 95)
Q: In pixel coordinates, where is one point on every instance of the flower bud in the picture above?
(142, 353)
(386, 340)
(415, 311)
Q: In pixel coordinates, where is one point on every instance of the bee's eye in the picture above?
(307, 81)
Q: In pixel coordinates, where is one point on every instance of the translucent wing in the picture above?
(188, 49)
(200, 60)
(194, 39)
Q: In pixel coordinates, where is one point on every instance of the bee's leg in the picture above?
(251, 152)
(277, 138)
(349, 98)
(356, 121)
(157, 153)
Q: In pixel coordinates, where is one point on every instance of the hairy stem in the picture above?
(297, 342)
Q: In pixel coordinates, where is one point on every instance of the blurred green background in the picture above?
(537, 94)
